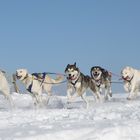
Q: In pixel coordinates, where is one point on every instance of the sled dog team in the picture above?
(99, 82)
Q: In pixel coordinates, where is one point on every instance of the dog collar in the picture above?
(127, 79)
(74, 83)
(98, 82)
(25, 77)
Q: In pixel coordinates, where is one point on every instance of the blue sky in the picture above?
(46, 35)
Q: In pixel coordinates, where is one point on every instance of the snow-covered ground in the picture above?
(117, 119)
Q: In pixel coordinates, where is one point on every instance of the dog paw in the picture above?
(110, 94)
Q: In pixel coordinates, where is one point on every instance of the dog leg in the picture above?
(7, 95)
(69, 96)
(48, 97)
(106, 97)
(132, 93)
(98, 95)
(37, 100)
(34, 100)
(108, 93)
(86, 100)
(74, 96)
(129, 96)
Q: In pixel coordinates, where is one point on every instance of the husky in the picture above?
(78, 82)
(4, 87)
(36, 83)
(102, 78)
(131, 78)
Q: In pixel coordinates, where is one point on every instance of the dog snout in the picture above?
(69, 75)
(95, 73)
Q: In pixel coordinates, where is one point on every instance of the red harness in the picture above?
(127, 78)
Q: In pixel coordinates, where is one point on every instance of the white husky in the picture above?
(131, 79)
(36, 84)
(4, 87)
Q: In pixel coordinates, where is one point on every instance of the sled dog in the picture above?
(36, 83)
(78, 83)
(131, 78)
(102, 78)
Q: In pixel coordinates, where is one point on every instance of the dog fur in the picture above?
(131, 78)
(4, 87)
(78, 83)
(37, 86)
(102, 78)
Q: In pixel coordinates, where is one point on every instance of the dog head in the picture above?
(96, 72)
(72, 72)
(21, 74)
(127, 73)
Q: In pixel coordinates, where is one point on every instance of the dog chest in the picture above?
(77, 85)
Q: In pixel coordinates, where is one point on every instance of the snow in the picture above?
(117, 119)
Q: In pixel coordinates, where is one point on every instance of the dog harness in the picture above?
(74, 83)
(98, 82)
(25, 77)
(37, 76)
(30, 87)
(40, 76)
(127, 79)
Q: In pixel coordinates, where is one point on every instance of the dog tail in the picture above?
(58, 79)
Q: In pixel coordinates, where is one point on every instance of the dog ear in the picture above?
(91, 71)
(106, 73)
(68, 65)
(121, 72)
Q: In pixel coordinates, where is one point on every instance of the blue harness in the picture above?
(38, 76)
(30, 87)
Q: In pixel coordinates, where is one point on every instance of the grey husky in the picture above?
(78, 83)
(102, 78)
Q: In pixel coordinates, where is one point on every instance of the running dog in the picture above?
(102, 78)
(37, 83)
(79, 83)
(131, 78)
(4, 87)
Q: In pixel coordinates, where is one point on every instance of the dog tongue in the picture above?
(72, 78)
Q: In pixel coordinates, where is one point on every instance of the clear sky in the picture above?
(46, 35)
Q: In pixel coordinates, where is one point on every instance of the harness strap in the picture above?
(75, 82)
(30, 87)
(25, 77)
(127, 79)
(40, 76)
(98, 82)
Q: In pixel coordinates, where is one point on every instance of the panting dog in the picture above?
(78, 83)
(37, 83)
(102, 79)
(131, 78)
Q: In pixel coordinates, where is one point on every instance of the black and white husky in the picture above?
(78, 83)
(102, 78)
